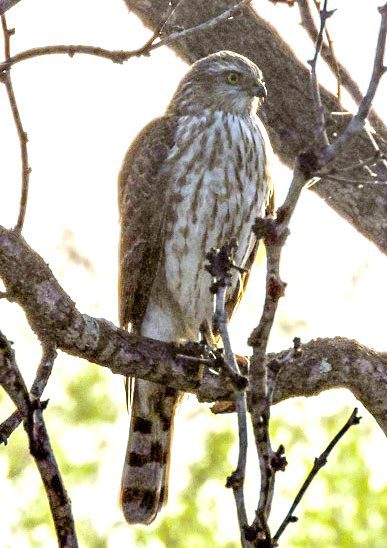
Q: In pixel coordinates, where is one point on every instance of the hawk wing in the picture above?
(141, 202)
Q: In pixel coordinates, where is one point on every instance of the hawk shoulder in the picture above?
(142, 203)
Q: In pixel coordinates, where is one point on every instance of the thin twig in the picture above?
(360, 164)
(353, 181)
(23, 139)
(273, 233)
(358, 121)
(39, 443)
(335, 63)
(121, 56)
(318, 464)
(220, 263)
(40, 382)
(321, 134)
(43, 373)
(338, 68)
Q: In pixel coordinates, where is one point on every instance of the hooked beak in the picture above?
(260, 90)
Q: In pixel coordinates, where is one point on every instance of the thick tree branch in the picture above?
(324, 363)
(288, 84)
(56, 321)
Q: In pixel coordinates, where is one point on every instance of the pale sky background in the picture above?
(81, 115)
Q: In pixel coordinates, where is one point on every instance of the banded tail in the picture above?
(144, 486)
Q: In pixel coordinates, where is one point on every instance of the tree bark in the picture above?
(53, 316)
(289, 109)
(6, 5)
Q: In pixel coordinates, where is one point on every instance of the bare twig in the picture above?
(321, 134)
(40, 447)
(37, 389)
(353, 181)
(273, 233)
(44, 371)
(221, 261)
(318, 464)
(121, 56)
(23, 139)
(335, 63)
(358, 121)
(338, 68)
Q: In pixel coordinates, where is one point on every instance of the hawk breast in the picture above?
(217, 173)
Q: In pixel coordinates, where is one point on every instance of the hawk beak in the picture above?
(260, 90)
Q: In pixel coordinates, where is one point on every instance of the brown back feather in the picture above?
(142, 193)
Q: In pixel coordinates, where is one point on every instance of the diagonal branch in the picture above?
(358, 121)
(338, 68)
(39, 443)
(319, 462)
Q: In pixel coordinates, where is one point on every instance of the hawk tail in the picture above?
(144, 486)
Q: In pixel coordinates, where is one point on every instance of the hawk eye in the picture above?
(233, 78)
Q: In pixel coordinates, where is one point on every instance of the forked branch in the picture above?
(39, 444)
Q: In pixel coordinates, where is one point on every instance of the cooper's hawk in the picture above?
(191, 180)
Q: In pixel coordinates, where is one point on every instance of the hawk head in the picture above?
(223, 81)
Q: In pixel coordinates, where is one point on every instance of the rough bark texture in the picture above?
(6, 5)
(289, 107)
(337, 363)
(323, 364)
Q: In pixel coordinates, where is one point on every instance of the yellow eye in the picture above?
(233, 78)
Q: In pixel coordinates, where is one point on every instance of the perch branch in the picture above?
(39, 444)
(319, 462)
(53, 316)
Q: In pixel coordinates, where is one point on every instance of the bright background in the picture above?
(81, 115)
